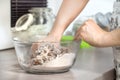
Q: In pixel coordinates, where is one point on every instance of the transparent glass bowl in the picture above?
(48, 57)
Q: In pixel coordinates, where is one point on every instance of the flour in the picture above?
(50, 56)
(64, 60)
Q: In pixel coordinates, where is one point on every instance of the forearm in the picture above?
(69, 10)
(112, 38)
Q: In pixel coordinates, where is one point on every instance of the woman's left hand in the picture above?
(91, 33)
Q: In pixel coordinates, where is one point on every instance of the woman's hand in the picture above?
(92, 33)
(49, 38)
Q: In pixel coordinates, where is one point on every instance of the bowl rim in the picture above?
(31, 42)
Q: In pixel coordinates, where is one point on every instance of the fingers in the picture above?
(80, 32)
(77, 36)
(34, 47)
(91, 33)
(36, 44)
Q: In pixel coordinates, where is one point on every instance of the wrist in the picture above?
(105, 40)
(57, 30)
(55, 37)
(114, 37)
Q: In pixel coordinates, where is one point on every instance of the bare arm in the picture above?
(94, 35)
(69, 10)
(113, 38)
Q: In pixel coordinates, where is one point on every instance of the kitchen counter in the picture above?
(91, 64)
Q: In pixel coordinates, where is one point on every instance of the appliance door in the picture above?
(5, 33)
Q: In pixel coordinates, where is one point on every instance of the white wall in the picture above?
(5, 33)
(93, 7)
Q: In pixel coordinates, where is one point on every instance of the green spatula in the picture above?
(70, 38)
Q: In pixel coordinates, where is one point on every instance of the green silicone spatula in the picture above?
(67, 38)
(70, 38)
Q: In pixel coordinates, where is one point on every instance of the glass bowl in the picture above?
(47, 57)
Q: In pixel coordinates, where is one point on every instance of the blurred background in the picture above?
(11, 10)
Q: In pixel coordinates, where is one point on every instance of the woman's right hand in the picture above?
(49, 38)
